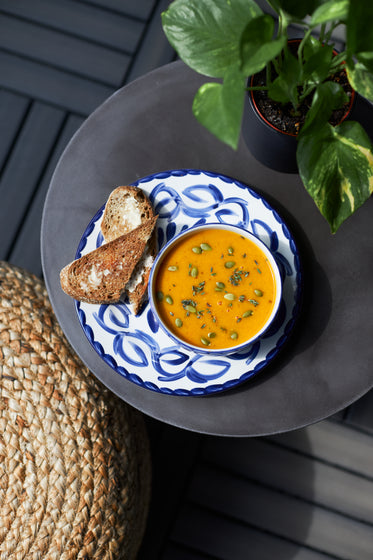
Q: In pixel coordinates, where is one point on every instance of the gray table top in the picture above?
(148, 127)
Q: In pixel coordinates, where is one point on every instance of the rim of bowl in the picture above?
(214, 225)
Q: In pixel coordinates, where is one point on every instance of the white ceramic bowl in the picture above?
(158, 265)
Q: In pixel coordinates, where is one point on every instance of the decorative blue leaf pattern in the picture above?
(135, 347)
(152, 321)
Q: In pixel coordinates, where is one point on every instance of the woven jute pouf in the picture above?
(74, 459)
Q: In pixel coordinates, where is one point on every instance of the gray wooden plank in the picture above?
(63, 51)
(140, 8)
(281, 514)
(53, 86)
(333, 442)
(300, 475)
(154, 50)
(13, 109)
(224, 538)
(83, 20)
(24, 167)
(26, 248)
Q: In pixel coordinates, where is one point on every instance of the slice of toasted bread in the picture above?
(101, 275)
(126, 208)
(136, 289)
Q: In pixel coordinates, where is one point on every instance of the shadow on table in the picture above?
(240, 498)
(217, 497)
(315, 304)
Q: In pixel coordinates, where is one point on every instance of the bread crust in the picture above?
(101, 275)
(126, 208)
(137, 293)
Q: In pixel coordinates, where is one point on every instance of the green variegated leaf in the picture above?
(336, 167)
(332, 10)
(317, 65)
(219, 107)
(285, 87)
(361, 79)
(327, 97)
(366, 58)
(258, 46)
(206, 34)
(359, 29)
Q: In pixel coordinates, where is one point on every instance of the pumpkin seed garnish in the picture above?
(205, 247)
(229, 264)
(258, 293)
(178, 322)
(247, 313)
(205, 341)
(229, 296)
(173, 268)
(197, 250)
(199, 289)
(168, 299)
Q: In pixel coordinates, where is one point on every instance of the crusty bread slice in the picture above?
(101, 275)
(136, 289)
(126, 208)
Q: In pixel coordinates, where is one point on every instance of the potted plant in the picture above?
(232, 40)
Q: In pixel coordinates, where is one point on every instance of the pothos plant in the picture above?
(235, 39)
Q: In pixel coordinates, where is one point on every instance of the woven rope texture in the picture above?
(74, 459)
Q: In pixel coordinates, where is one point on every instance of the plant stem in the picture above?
(322, 33)
(274, 6)
(333, 26)
(268, 74)
(301, 46)
(307, 92)
(338, 63)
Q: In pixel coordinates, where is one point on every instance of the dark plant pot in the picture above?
(362, 112)
(269, 145)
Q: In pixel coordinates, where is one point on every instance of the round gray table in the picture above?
(147, 127)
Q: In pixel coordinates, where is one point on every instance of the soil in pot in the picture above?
(270, 128)
(283, 116)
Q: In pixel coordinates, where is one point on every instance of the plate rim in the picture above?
(210, 389)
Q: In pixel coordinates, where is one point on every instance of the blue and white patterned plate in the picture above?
(134, 346)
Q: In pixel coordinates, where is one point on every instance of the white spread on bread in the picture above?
(94, 277)
(121, 265)
(146, 262)
(131, 217)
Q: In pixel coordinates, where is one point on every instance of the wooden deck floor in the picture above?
(305, 495)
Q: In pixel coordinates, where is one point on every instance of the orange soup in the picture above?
(215, 289)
